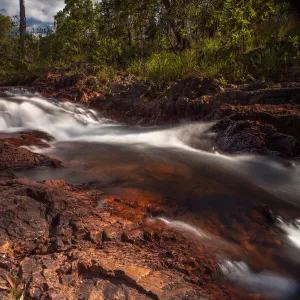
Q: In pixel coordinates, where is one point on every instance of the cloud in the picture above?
(42, 11)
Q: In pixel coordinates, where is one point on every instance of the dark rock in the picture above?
(268, 214)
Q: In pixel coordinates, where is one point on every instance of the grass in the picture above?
(165, 66)
(270, 52)
(220, 62)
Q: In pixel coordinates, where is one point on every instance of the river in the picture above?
(177, 167)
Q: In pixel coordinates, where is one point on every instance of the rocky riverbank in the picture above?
(59, 241)
(255, 118)
(62, 241)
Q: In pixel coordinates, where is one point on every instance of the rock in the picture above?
(29, 138)
(268, 214)
(193, 87)
(12, 157)
(111, 233)
(262, 129)
(53, 241)
(284, 144)
(133, 236)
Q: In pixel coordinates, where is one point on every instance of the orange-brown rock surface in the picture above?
(59, 241)
(63, 242)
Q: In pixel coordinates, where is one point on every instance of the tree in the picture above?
(6, 41)
(75, 28)
(22, 29)
(5, 25)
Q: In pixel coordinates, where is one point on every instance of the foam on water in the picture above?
(265, 283)
(66, 121)
(193, 231)
(69, 122)
(185, 227)
(292, 231)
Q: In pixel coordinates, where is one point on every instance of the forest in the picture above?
(233, 41)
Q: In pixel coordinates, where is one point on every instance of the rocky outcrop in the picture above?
(12, 158)
(257, 118)
(28, 138)
(56, 242)
(59, 241)
(64, 88)
(263, 129)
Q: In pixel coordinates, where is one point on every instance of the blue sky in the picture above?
(39, 13)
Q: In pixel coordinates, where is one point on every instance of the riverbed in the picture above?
(180, 169)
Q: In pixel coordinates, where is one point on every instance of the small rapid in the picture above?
(68, 122)
(185, 227)
(266, 283)
(292, 230)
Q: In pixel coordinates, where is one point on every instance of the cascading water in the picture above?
(65, 121)
(265, 283)
(292, 229)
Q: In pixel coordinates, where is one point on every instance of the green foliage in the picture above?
(166, 66)
(108, 50)
(108, 93)
(159, 40)
(5, 25)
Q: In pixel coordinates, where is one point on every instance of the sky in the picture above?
(39, 13)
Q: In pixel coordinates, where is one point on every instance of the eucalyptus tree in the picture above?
(22, 29)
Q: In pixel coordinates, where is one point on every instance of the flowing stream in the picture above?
(177, 166)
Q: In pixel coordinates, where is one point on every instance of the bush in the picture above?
(166, 66)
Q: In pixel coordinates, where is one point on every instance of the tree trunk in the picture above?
(182, 42)
(129, 34)
(22, 29)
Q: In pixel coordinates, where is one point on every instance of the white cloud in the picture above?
(40, 10)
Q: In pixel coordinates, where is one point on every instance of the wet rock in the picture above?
(284, 144)
(259, 129)
(30, 138)
(12, 157)
(268, 214)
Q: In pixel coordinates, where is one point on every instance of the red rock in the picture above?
(12, 157)
(58, 251)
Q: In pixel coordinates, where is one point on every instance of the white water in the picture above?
(20, 110)
(265, 283)
(185, 228)
(292, 231)
(66, 121)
